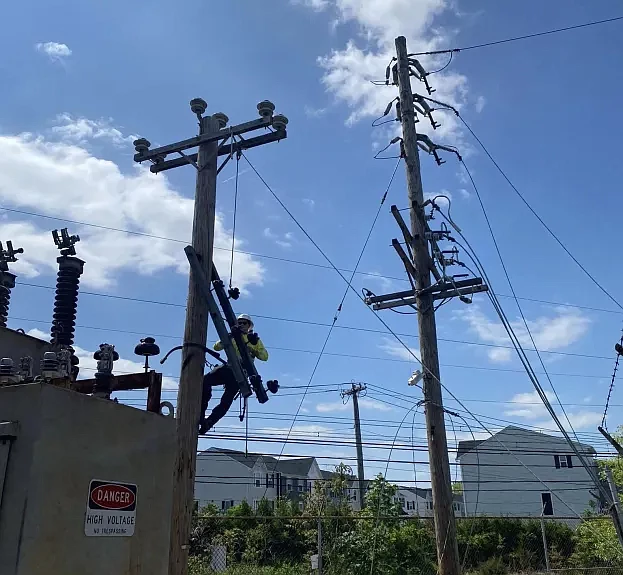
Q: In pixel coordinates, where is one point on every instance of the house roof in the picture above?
(291, 466)
(467, 446)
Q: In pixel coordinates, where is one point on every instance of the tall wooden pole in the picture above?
(195, 331)
(615, 510)
(354, 391)
(445, 526)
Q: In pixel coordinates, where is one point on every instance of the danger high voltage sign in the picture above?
(111, 509)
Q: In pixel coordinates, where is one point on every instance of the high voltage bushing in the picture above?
(105, 356)
(7, 279)
(70, 269)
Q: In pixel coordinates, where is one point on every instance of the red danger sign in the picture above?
(113, 496)
(111, 509)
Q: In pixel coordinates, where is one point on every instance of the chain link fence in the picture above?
(360, 544)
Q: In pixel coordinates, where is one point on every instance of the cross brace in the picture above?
(226, 149)
(162, 151)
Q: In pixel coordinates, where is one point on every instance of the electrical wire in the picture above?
(506, 274)
(549, 230)
(611, 388)
(253, 254)
(404, 345)
(526, 363)
(517, 38)
(233, 232)
(349, 282)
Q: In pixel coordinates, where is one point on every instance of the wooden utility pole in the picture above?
(214, 140)
(196, 331)
(445, 526)
(615, 509)
(354, 391)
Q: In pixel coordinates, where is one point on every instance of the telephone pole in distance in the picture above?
(354, 391)
(215, 139)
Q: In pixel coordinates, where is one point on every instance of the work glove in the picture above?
(253, 338)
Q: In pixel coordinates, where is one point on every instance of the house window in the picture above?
(225, 505)
(270, 480)
(565, 461)
(429, 505)
(257, 479)
(256, 504)
(354, 495)
(299, 488)
(401, 501)
(547, 505)
(301, 505)
(289, 487)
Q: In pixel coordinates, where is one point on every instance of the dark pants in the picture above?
(220, 375)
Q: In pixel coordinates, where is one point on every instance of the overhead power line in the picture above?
(524, 37)
(253, 254)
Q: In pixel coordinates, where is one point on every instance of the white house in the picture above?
(418, 502)
(226, 477)
(518, 472)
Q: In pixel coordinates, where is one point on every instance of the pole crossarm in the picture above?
(162, 151)
(611, 440)
(441, 290)
(226, 150)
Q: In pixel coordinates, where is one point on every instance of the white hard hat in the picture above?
(246, 317)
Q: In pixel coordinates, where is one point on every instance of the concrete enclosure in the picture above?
(64, 440)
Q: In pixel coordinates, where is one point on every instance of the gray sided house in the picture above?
(226, 477)
(519, 472)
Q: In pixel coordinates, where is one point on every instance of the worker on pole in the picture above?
(223, 375)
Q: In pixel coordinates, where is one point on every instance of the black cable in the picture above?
(444, 67)
(508, 279)
(233, 233)
(349, 282)
(549, 230)
(253, 254)
(516, 38)
(611, 388)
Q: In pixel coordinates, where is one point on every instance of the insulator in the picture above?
(6, 366)
(5, 296)
(66, 300)
(147, 347)
(49, 362)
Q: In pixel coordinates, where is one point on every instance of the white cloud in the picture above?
(364, 403)
(480, 103)
(385, 283)
(316, 5)
(347, 72)
(309, 203)
(284, 241)
(395, 349)
(314, 112)
(80, 130)
(550, 333)
(65, 180)
(54, 50)
(88, 365)
(529, 406)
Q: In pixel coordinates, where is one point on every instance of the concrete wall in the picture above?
(66, 440)
(508, 488)
(15, 345)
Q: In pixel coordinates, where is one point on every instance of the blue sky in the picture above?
(81, 80)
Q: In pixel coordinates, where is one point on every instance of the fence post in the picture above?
(319, 546)
(545, 544)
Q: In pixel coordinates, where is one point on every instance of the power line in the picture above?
(536, 215)
(524, 37)
(322, 324)
(253, 254)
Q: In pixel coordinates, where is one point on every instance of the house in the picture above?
(518, 472)
(416, 501)
(226, 477)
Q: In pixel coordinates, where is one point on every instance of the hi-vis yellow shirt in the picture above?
(257, 351)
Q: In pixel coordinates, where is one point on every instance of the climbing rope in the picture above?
(614, 375)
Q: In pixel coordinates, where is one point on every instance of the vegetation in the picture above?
(281, 541)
